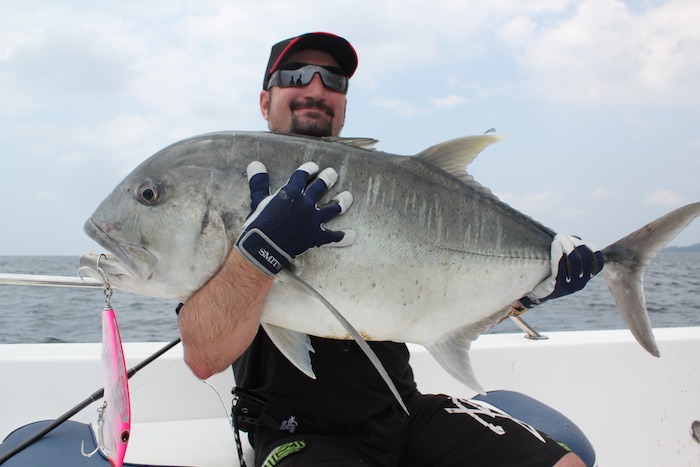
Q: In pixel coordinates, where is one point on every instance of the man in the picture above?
(347, 416)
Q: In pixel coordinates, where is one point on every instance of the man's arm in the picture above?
(218, 323)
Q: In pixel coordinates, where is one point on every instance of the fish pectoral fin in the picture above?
(452, 353)
(296, 346)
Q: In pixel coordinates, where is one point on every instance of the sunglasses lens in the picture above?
(304, 75)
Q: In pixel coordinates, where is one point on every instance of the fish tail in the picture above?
(625, 261)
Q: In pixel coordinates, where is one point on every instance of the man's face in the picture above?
(311, 110)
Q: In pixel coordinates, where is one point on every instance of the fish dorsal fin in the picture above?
(455, 155)
(364, 143)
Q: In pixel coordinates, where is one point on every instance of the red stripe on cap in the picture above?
(284, 52)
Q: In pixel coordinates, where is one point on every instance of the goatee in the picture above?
(310, 126)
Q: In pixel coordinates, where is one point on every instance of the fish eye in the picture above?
(150, 193)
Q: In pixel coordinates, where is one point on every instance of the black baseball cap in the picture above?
(339, 48)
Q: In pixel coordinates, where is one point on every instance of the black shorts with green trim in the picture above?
(441, 431)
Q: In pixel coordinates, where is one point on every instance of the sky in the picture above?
(598, 100)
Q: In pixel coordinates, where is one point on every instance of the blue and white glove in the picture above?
(574, 263)
(284, 225)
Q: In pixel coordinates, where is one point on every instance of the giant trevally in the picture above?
(436, 261)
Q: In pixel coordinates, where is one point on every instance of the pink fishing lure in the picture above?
(116, 409)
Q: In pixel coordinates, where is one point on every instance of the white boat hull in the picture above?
(634, 408)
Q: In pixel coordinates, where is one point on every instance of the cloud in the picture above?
(530, 203)
(605, 50)
(46, 196)
(664, 198)
(404, 108)
(448, 101)
(397, 106)
(603, 194)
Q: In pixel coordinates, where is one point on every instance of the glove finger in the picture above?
(325, 180)
(301, 176)
(563, 247)
(564, 244)
(344, 200)
(599, 262)
(328, 212)
(256, 212)
(580, 265)
(591, 261)
(258, 182)
(564, 270)
(338, 205)
(339, 238)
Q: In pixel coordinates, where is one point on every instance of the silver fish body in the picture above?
(437, 257)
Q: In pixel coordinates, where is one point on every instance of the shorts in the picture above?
(441, 430)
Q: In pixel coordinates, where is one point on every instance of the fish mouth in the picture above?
(135, 261)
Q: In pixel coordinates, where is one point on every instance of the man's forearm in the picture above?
(218, 323)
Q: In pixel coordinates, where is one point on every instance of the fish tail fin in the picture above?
(625, 261)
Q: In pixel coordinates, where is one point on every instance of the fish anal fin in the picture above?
(296, 346)
(452, 352)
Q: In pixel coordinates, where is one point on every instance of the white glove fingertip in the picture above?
(344, 200)
(587, 244)
(309, 167)
(561, 245)
(348, 239)
(254, 168)
(329, 176)
(569, 243)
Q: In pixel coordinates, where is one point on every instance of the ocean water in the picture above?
(51, 314)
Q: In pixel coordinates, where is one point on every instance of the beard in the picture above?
(318, 126)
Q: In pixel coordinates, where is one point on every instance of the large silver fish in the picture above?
(437, 257)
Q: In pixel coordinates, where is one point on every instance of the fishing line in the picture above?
(154, 375)
(221, 399)
(232, 424)
(136, 388)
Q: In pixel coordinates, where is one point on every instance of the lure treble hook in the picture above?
(102, 277)
(100, 436)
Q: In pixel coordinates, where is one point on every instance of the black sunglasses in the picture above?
(332, 77)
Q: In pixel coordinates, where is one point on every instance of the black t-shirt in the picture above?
(347, 388)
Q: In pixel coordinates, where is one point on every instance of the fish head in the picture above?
(170, 224)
